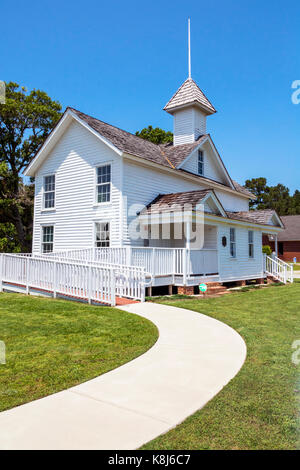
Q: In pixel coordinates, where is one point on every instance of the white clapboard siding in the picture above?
(189, 124)
(141, 185)
(184, 132)
(211, 169)
(232, 202)
(73, 160)
(241, 267)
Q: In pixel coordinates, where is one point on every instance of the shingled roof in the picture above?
(163, 202)
(167, 155)
(242, 189)
(189, 93)
(292, 228)
(168, 202)
(262, 217)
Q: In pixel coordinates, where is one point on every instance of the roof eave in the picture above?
(55, 135)
(206, 109)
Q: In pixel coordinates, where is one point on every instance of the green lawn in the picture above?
(54, 344)
(259, 408)
(296, 267)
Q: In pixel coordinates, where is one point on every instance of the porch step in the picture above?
(215, 288)
(272, 279)
(214, 284)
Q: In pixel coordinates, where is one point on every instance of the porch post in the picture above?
(188, 235)
(128, 255)
(188, 246)
(276, 246)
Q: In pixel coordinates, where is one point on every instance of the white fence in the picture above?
(92, 281)
(277, 268)
(157, 261)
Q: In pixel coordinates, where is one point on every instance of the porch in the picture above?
(163, 266)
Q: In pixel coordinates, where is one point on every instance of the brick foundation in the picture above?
(261, 280)
(186, 290)
(240, 283)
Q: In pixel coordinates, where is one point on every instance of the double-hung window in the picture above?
(200, 163)
(49, 192)
(103, 184)
(232, 243)
(251, 244)
(102, 234)
(47, 239)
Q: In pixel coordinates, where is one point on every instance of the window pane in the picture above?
(102, 234)
(251, 250)
(104, 174)
(233, 250)
(50, 183)
(103, 193)
(49, 200)
(200, 162)
(250, 236)
(47, 245)
(49, 191)
(232, 234)
(48, 234)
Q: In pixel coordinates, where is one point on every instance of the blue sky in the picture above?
(121, 62)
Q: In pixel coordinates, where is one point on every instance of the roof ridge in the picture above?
(187, 192)
(203, 94)
(111, 125)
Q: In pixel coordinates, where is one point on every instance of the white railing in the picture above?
(204, 261)
(277, 268)
(157, 261)
(92, 281)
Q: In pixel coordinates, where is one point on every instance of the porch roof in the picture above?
(262, 217)
(175, 202)
(169, 202)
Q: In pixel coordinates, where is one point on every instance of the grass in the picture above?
(296, 267)
(259, 408)
(54, 344)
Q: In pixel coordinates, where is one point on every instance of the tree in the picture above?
(157, 135)
(273, 197)
(25, 121)
(257, 186)
(295, 206)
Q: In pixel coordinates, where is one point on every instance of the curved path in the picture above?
(194, 357)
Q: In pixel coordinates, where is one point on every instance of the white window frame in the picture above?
(47, 192)
(42, 238)
(95, 233)
(232, 242)
(251, 244)
(200, 162)
(102, 184)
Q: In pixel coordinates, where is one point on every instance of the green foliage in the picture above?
(25, 121)
(8, 238)
(157, 135)
(267, 250)
(273, 197)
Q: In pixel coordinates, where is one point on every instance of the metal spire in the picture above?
(189, 47)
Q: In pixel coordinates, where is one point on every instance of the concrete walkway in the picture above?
(194, 357)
